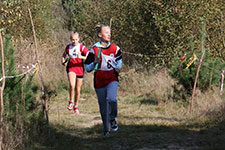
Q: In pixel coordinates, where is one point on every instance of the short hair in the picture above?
(99, 28)
(74, 33)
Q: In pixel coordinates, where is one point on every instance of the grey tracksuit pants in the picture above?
(107, 103)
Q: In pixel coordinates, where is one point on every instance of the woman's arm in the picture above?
(89, 62)
(89, 67)
(82, 57)
(64, 59)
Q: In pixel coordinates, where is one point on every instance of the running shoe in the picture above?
(107, 134)
(76, 111)
(70, 106)
(114, 125)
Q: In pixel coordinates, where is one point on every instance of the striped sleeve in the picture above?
(118, 54)
(118, 58)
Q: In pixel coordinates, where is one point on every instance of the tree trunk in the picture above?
(2, 89)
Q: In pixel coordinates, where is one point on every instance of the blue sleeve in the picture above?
(119, 64)
(89, 67)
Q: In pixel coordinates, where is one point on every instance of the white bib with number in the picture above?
(108, 62)
(74, 51)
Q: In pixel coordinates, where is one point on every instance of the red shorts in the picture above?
(79, 71)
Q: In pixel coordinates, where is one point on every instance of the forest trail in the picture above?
(143, 125)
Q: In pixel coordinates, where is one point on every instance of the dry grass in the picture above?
(50, 52)
(13, 139)
(158, 85)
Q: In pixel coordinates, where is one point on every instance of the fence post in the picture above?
(199, 65)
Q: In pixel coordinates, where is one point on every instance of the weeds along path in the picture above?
(144, 124)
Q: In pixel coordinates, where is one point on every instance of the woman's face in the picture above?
(75, 39)
(105, 34)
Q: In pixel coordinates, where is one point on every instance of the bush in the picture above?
(209, 73)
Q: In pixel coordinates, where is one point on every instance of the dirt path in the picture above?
(142, 126)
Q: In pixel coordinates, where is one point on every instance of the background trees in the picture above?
(151, 26)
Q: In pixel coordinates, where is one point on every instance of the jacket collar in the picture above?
(98, 44)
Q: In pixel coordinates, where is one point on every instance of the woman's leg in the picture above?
(72, 79)
(77, 89)
(104, 108)
(111, 98)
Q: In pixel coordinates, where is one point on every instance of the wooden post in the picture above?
(2, 89)
(199, 66)
(196, 78)
(44, 90)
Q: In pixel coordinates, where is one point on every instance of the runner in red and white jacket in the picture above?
(106, 76)
(76, 53)
(111, 59)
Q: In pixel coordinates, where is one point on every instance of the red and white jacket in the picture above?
(110, 56)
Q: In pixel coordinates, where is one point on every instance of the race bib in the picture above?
(108, 62)
(74, 51)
